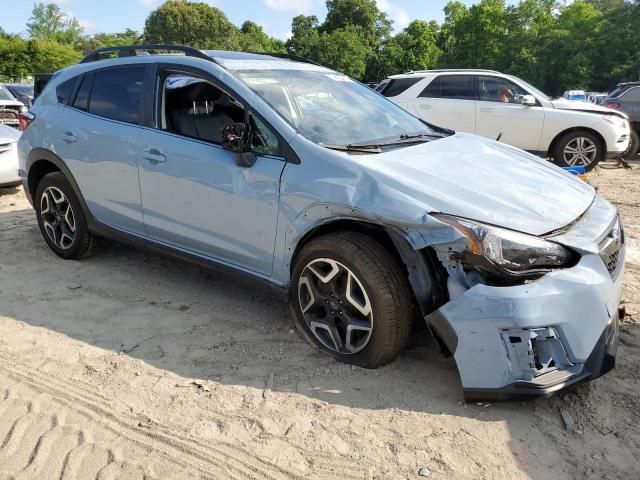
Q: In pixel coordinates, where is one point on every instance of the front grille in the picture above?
(611, 246)
(8, 117)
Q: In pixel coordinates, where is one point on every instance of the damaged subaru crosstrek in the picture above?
(368, 217)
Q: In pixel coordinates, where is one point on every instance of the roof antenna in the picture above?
(499, 137)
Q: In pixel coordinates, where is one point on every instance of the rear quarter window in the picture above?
(396, 86)
(633, 94)
(65, 90)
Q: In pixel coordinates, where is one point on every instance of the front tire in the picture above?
(351, 299)
(61, 219)
(578, 149)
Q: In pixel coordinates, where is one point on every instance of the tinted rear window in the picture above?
(65, 90)
(117, 94)
(451, 86)
(398, 85)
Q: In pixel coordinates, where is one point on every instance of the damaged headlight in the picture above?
(509, 250)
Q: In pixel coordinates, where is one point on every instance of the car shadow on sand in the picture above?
(202, 325)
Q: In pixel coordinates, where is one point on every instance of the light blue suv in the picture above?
(369, 218)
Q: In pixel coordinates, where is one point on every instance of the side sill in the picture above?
(245, 278)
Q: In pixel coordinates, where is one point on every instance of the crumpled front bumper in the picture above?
(532, 340)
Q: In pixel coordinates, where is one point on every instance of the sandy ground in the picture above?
(129, 365)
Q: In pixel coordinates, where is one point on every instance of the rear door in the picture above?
(99, 143)
(449, 101)
(631, 103)
(500, 113)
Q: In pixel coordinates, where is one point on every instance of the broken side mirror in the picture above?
(235, 138)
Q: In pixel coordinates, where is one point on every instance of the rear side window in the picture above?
(633, 94)
(451, 86)
(117, 94)
(396, 86)
(82, 97)
(65, 90)
(616, 92)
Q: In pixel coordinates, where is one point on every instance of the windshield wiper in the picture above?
(354, 148)
(401, 140)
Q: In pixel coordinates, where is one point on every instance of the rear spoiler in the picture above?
(40, 81)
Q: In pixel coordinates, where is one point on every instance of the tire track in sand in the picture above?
(51, 429)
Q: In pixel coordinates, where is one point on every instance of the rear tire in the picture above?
(61, 219)
(350, 299)
(634, 147)
(578, 149)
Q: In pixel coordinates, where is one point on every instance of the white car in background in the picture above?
(504, 107)
(9, 156)
(10, 108)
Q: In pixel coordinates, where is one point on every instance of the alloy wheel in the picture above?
(335, 306)
(57, 218)
(580, 151)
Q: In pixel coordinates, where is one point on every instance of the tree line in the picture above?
(588, 44)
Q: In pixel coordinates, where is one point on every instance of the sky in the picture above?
(274, 15)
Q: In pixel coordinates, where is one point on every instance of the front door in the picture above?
(194, 195)
(500, 113)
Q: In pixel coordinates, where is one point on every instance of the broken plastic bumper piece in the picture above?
(531, 340)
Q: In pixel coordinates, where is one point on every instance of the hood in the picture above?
(486, 181)
(586, 107)
(8, 134)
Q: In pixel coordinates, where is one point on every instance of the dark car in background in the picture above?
(626, 98)
(23, 92)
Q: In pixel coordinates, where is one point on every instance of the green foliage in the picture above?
(102, 40)
(254, 39)
(195, 24)
(49, 22)
(49, 56)
(15, 61)
(305, 38)
(345, 49)
(415, 48)
(22, 58)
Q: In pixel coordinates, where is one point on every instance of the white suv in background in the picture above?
(504, 107)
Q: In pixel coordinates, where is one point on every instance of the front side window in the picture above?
(193, 107)
(458, 87)
(501, 90)
(263, 140)
(117, 94)
(329, 108)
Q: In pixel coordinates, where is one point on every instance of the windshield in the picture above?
(534, 90)
(4, 93)
(329, 108)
